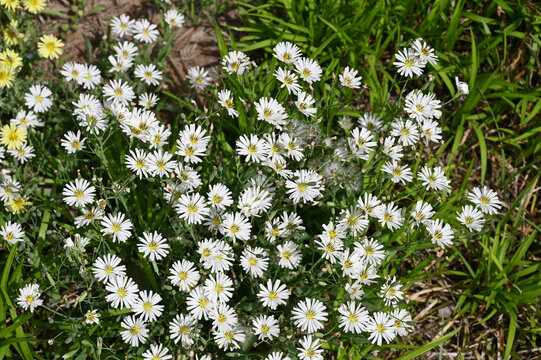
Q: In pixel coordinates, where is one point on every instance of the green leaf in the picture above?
(482, 148)
(417, 352)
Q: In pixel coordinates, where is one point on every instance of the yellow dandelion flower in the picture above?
(6, 76)
(10, 59)
(12, 5)
(12, 136)
(50, 47)
(17, 205)
(34, 6)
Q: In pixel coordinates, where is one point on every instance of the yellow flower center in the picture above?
(122, 292)
(310, 315)
(108, 269)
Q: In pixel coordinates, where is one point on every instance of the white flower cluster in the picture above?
(255, 224)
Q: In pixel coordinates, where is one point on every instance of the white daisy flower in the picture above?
(236, 62)
(27, 119)
(273, 294)
(12, 232)
(253, 148)
(72, 71)
(406, 131)
(471, 218)
(224, 317)
(198, 304)
(192, 208)
(462, 87)
(306, 187)
(434, 179)
(424, 52)
(126, 50)
(368, 203)
(182, 328)
(422, 212)
(107, 267)
(79, 193)
(430, 131)
(309, 315)
(116, 226)
(219, 196)
(157, 352)
(354, 317)
(119, 64)
(226, 100)
(390, 215)
(37, 98)
(254, 261)
(401, 320)
(441, 233)
(381, 326)
(73, 142)
(89, 215)
(229, 339)
(92, 317)
(398, 172)
(122, 292)
(371, 122)
(218, 288)
(289, 254)
(135, 330)
(288, 80)
(157, 136)
(408, 63)
(119, 91)
(266, 327)
(147, 306)
(144, 31)
(391, 293)
(153, 246)
(149, 74)
(353, 220)
(308, 69)
(174, 18)
(310, 349)
(236, 227)
(349, 78)
(370, 250)
(271, 111)
(184, 274)
(29, 297)
(198, 78)
(148, 100)
(160, 163)
(277, 355)
(287, 52)
(91, 76)
(331, 248)
(122, 26)
(304, 104)
(137, 161)
(485, 199)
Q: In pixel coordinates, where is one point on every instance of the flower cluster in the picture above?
(249, 233)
